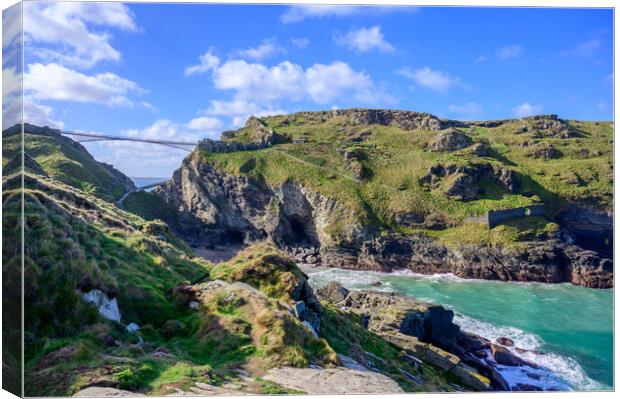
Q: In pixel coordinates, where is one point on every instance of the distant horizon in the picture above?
(180, 71)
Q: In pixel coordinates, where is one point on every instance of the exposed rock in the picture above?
(104, 391)
(549, 126)
(107, 307)
(333, 292)
(463, 182)
(336, 381)
(505, 341)
(390, 313)
(216, 208)
(481, 150)
(546, 151)
(451, 140)
(503, 355)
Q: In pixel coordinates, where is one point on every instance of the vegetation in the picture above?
(67, 161)
(395, 161)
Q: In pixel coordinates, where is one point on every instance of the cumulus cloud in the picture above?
(509, 52)
(267, 48)
(526, 109)
(469, 110)
(364, 40)
(432, 79)
(65, 25)
(298, 13)
(300, 42)
(56, 82)
(205, 124)
(208, 62)
(258, 89)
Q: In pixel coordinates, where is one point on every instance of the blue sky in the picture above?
(187, 71)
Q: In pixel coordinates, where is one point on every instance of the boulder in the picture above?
(505, 341)
(333, 292)
(503, 355)
(452, 140)
(391, 313)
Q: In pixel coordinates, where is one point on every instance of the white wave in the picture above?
(556, 372)
(492, 332)
(347, 278)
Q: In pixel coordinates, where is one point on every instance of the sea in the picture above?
(145, 181)
(567, 328)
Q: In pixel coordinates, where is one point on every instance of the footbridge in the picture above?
(84, 137)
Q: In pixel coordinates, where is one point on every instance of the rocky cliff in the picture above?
(217, 208)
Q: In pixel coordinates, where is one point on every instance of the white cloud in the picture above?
(298, 13)
(468, 110)
(11, 82)
(526, 109)
(326, 83)
(583, 50)
(509, 52)
(601, 106)
(208, 62)
(257, 89)
(205, 124)
(300, 42)
(55, 82)
(40, 114)
(11, 28)
(432, 79)
(267, 48)
(260, 82)
(64, 25)
(364, 40)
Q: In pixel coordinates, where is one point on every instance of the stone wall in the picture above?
(493, 218)
(229, 146)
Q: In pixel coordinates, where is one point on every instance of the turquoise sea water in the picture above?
(572, 325)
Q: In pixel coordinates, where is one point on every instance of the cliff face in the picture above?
(216, 208)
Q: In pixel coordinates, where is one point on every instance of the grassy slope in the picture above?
(67, 161)
(72, 235)
(397, 160)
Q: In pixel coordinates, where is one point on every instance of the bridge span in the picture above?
(84, 137)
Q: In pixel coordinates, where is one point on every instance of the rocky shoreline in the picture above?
(427, 333)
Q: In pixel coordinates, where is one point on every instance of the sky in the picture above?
(190, 71)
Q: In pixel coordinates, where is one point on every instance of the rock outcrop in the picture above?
(546, 152)
(423, 330)
(452, 140)
(335, 381)
(407, 120)
(463, 182)
(549, 126)
(216, 208)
